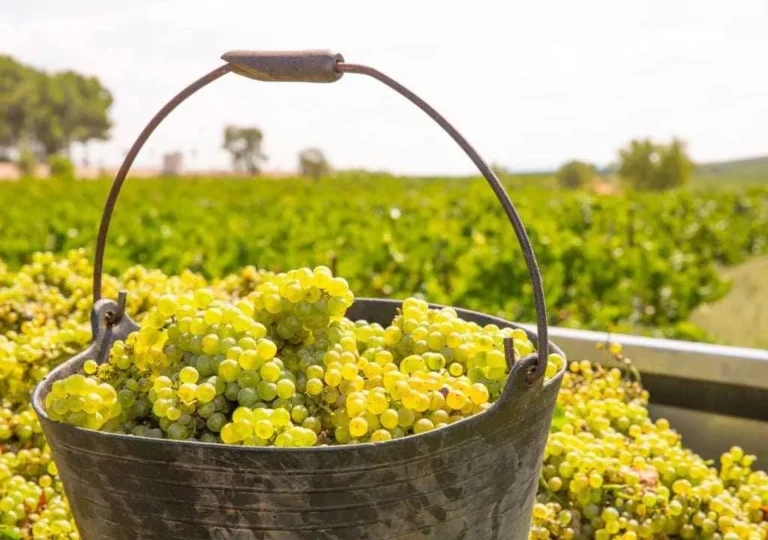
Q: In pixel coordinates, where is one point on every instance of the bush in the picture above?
(27, 163)
(650, 166)
(61, 167)
(575, 174)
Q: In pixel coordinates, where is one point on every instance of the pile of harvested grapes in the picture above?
(260, 358)
(284, 367)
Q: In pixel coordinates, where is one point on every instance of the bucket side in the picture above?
(474, 479)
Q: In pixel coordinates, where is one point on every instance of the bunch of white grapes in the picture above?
(283, 367)
(612, 472)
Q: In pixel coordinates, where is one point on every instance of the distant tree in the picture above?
(93, 122)
(49, 112)
(70, 108)
(650, 166)
(313, 163)
(675, 166)
(17, 96)
(244, 145)
(637, 163)
(575, 174)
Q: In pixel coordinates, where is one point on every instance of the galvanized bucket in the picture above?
(475, 479)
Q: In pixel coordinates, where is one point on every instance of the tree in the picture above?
(71, 108)
(17, 96)
(650, 166)
(93, 122)
(49, 112)
(244, 144)
(313, 163)
(575, 174)
(675, 167)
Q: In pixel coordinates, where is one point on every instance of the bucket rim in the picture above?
(473, 421)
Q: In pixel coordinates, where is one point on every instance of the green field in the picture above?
(639, 262)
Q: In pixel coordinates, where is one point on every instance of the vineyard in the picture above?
(640, 263)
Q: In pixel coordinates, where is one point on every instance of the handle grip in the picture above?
(291, 66)
(324, 66)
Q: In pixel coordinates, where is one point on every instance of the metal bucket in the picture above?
(475, 479)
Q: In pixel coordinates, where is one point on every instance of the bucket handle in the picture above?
(324, 67)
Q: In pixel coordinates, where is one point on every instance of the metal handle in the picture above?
(324, 66)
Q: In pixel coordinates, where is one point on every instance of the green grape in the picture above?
(247, 396)
(267, 391)
(216, 422)
(285, 388)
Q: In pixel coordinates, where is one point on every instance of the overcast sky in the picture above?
(530, 84)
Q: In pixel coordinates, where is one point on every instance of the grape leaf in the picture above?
(6, 533)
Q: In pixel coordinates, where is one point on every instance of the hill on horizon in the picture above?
(754, 166)
(751, 166)
(743, 170)
(753, 170)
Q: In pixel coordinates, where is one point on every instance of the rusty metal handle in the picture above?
(324, 66)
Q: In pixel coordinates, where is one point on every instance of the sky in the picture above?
(530, 84)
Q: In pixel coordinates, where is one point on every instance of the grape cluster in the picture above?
(44, 320)
(81, 401)
(284, 367)
(45, 313)
(32, 500)
(291, 305)
(243, 282)
(611, 472)
(18, 424)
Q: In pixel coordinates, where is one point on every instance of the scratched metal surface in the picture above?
(473, 480)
